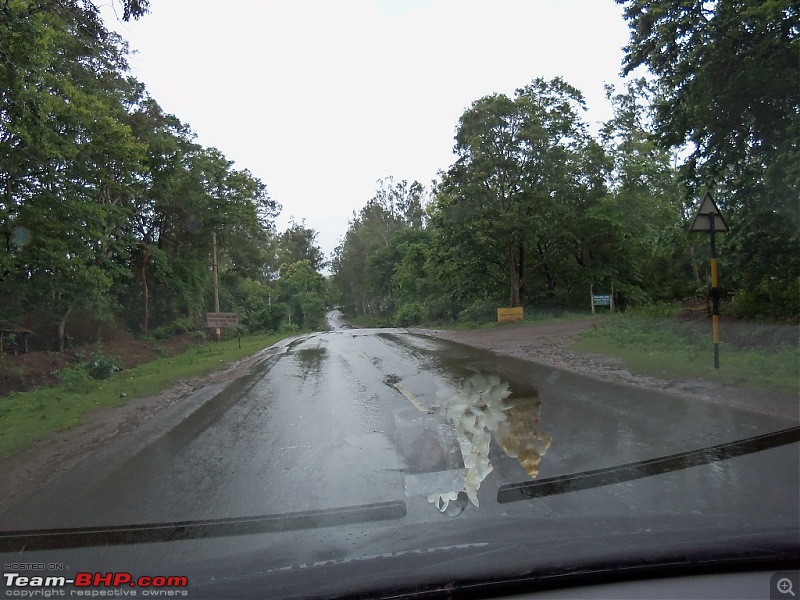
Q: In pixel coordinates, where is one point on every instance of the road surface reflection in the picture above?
(479, 407)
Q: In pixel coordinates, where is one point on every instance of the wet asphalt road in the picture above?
(351, 417)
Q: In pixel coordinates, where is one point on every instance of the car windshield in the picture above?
(431, 297)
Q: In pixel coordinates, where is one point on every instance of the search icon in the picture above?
(784, 586)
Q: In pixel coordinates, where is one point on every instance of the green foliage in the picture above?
(363, 264)
(522, 170)
(75, 377)
(727, 74)
(480, 311)
(100, 366)
(297, 243)
(108, 204)
(302, 290)
(409, 314)
(771, 299)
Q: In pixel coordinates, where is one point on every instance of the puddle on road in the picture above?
(446, 451)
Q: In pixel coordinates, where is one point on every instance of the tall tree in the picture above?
(508, 195)
(67, 158)
(729, 71)
(396, 206)
(299, 242)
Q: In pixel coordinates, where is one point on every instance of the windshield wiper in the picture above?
(562, 484)
(114, 535)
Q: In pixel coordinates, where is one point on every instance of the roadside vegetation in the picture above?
(27, 417)
(755, 355)
(537, 211)
(111, 212)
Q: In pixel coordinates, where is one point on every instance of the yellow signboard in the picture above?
(509, 315)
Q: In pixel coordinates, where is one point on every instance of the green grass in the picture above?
(368, 321)
(759, 356)
(28, 417)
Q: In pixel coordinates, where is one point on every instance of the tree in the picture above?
(299, 242)
(645, 217)
(395, 207)
(131, 9)
(728, 70)
(504, 202)
(303, 289)
(67, 159)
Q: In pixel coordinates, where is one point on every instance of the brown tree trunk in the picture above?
(145, 294)
(514, 299)
(62, 325)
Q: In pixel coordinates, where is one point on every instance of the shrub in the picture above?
(74, 377)
(408, 314)
(480, 311)
(102, 367)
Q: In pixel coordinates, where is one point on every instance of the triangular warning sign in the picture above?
(702, 218)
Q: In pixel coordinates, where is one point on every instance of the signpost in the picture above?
(219, 320)
(509, 315)
(602, 299)
(709, 218)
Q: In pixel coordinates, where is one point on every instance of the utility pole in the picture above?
(215, 269)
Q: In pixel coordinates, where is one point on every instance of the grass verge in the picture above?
(759, 356)
(368, 321)
(28, 417)
(531, 316)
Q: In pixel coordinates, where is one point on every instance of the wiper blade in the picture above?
(78, 537)
(562, 484)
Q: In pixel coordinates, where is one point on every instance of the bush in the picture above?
(102, 367)
(289, 328)
(480, 311)
(770, 299)
(409, 314)
(265, 318)
(74, 377)
(177, 327)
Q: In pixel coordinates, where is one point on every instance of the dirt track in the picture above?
(552, 344)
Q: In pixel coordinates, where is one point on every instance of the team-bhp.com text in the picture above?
(97, 585)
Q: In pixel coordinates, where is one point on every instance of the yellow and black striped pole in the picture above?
(714, 290)
(716, 224)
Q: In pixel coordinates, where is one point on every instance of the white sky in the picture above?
(321, 98)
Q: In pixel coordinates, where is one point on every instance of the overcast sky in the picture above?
(321, 98)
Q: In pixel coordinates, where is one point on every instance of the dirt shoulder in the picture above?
(551, 344)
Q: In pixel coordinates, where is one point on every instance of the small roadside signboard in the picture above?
(602, 299)
(220, 320)
(509, 315)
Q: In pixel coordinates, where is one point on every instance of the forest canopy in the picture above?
(108, 204)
